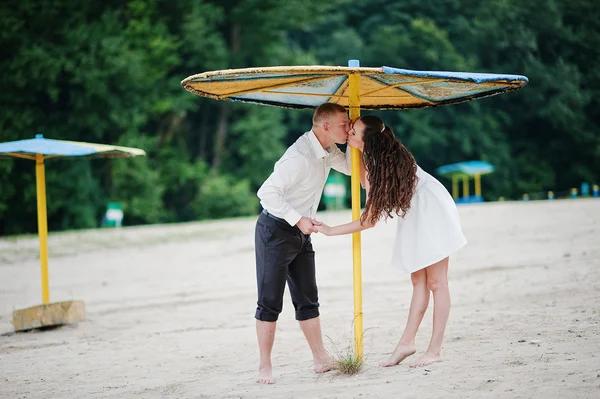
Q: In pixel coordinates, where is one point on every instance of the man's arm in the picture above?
(341, 161)
(285, 175)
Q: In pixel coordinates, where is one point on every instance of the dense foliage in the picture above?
(110, 72)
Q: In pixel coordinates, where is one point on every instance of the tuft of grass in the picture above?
(348, 364)
(345, 362)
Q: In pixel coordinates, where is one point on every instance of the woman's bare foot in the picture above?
(400, 353)
(426, 358)
(265, 375)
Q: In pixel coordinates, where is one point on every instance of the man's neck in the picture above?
(320, 135)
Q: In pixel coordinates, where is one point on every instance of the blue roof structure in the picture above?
(468, 168)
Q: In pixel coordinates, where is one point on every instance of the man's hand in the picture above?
(307, 225)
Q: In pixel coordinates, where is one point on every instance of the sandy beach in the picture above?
(170, 312)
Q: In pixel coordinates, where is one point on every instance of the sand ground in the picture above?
(170, 312)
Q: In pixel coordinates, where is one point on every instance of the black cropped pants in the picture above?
(284, 253)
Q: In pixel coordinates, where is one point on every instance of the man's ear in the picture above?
(326, 126)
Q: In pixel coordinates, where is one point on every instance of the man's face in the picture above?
(338, 127)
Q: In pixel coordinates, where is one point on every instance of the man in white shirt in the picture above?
(290, 198)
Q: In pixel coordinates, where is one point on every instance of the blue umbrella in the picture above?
(40, 149)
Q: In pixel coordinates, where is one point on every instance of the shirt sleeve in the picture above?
(286, 174)
(340, 161)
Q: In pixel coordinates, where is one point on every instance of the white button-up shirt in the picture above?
(294, 188)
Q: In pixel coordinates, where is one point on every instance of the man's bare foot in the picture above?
(323, 365)
(400, 353)
(265, 375)
(425, 359)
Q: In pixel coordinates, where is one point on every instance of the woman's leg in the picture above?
(437, 282)
(418, 306)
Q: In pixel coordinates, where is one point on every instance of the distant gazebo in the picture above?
(465, 171)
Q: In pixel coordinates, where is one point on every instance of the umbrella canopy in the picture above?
(354, 88)
(63, 148)
(40, 149)
(378, 88)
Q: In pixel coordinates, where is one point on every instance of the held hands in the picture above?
(308, 225)
(323, 228)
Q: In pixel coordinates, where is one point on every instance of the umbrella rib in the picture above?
(341, 88)
(303, 80)
(20, 155)
(398, 85)
(304, 94)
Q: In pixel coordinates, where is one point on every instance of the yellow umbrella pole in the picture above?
(40, 181)
(465, 186)
(354, 103)
(454, 186)
(478, 185)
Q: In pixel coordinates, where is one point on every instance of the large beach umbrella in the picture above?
(39, 149)
(354, 88)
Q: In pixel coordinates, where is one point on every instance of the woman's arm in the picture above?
(347, 228)
(354, 226)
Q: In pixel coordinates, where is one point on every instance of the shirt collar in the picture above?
(318, 149)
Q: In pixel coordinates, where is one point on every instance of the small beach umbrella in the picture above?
(354, 88)
(39, 149)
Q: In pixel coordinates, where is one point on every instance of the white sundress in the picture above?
(430, 231)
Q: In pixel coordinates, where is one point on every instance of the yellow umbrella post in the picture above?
(354, 105)
(40, 182)
(454, 187)
(478, 184)
(465, 186)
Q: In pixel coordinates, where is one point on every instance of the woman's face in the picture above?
(355, 134)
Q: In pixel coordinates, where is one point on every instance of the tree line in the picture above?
(110, 72)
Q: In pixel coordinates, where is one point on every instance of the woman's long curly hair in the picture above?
(392, 171)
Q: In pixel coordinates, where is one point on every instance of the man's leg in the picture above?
(265, 331)
(273, 253)
(312, 331)
(304, 293)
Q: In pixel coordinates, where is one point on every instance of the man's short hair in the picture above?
(326, 111)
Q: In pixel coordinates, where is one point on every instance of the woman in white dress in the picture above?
(428, 228)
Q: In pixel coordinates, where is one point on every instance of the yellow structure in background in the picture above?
(464, 171)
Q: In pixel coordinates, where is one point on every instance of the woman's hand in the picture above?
(323, 228)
